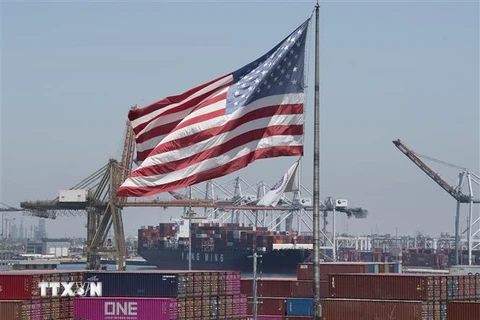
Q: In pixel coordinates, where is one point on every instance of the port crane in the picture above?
(455, 192)
(104, 208)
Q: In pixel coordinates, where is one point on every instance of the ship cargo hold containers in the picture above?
(388, 286)
(463, 310)
(100, 308)
(351, 309)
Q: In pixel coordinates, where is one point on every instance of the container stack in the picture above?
(218, 236)
(397, 296)
(288, 298)
(20, 296)
(463, 310)
(280, 298)
(165, 295)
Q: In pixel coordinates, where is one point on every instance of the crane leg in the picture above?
(457, 234)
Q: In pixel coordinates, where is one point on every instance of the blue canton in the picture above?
(280, 71)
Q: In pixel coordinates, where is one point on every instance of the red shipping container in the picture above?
(99, 308)
(36, 309)
(463, 310)
(304, 288)
(387, 286)
(305, 270)
(19, 285)
(349, 309)
(268, 306)
(271, 287)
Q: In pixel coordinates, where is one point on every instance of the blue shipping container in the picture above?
(371, 268)
(299, 307)
(396, 268)
(134, 284)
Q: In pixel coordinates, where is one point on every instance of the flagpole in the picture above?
(317, 308)
(190, 228)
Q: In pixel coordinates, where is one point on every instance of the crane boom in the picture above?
(460, 197)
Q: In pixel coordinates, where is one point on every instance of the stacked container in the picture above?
(197, 294)
(463, 310)
(217, 237)
(102, 308)
(401, 296)
(20, 295)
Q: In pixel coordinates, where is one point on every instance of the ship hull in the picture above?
(274, 262)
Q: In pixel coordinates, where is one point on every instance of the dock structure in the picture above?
(31, 264)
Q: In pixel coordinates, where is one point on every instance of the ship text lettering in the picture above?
(204, 257)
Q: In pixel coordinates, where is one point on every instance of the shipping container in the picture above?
(277, 317)
(37, 309)
(23, 284)
(278, 287)
(305, 270)
(268, 306)
(463, 310)
(100, 308)
(268, 287)
(351, 309)
(300, 307)
(304, 289)
(166, 283)
(388, 286)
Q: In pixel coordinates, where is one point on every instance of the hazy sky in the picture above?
(71, 71)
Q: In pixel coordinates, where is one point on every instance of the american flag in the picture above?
(224, 125)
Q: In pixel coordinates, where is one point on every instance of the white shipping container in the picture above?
(465, 270)
(79, 195)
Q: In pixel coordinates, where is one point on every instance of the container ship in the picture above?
(229, 246)
(223, 246)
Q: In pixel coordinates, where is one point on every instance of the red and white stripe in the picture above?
(188, 139)
(154, 122)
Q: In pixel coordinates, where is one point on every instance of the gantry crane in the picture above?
(101, 206)
(104, 208)
(8, 208)
(455, 192)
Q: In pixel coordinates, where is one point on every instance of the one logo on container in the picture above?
(120, 310)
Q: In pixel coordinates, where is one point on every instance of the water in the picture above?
(81, 266)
